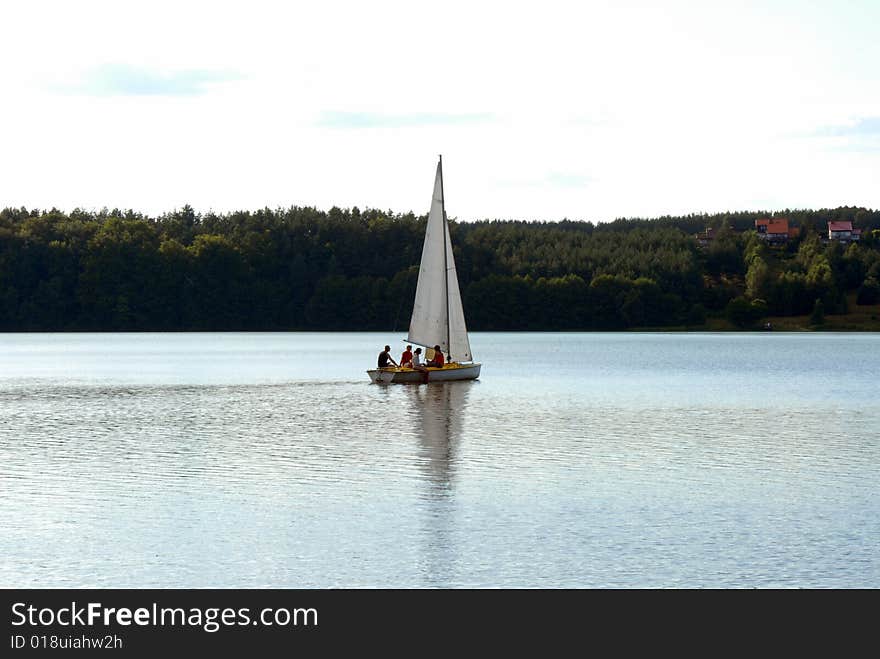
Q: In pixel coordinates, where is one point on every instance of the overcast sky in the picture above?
(542, 110)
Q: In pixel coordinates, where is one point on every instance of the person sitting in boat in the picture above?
(385, 357)
(419, 366)
(406, 357)
(437, 362)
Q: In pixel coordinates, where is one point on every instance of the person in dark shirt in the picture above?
(385, 357)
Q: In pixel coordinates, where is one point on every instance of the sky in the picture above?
(542, 110)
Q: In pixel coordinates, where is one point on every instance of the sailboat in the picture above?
(438, 315)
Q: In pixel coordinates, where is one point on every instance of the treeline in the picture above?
(346, 269)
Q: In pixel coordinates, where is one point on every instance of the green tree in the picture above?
(607, 298)
(869, 292)
(758, 279)
(220, 285)
(743, 312)
(118, 269)
(818, 315)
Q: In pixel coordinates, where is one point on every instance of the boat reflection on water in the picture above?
(440, 423)
(440, 426)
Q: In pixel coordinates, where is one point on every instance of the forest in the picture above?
(303, 268)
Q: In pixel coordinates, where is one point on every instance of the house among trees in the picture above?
(843, 232)
(775, 230)
(705, 238)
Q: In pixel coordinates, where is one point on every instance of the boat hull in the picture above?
(449, 373)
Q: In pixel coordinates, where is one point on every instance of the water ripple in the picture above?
(646, 469)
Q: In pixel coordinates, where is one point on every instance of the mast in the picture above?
(445, 262)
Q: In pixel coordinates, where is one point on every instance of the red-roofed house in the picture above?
(843, 232)
(774, 230)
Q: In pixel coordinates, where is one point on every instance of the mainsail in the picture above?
(438, 316)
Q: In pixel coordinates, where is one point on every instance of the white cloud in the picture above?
(115, 79)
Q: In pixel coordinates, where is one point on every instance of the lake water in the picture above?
(577, 460)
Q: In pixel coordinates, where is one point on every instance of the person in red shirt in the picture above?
(437, 362)
(406, 357)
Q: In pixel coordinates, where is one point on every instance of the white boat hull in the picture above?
(449, 373)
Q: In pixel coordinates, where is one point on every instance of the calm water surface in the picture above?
(578, 460)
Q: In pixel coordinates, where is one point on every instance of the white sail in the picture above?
(438, 316)
(460, 348)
